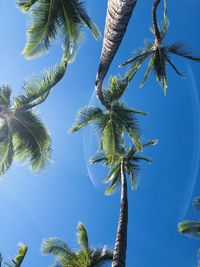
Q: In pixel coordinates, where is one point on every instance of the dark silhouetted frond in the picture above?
(190, 228)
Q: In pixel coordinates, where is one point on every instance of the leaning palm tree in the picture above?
(51, 20)
(22, 134)
(126, 163)
(85, 256)
(158, 53)
(18, 259)
(191, 228)
(118, 15)
(113, 121)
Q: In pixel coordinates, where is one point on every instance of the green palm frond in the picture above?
(6, 148)
(5, 92)
(117, 87)
(82, 236)
(190, 228)
(165, 22)
(56, 246)
(18, 259)
(38, 87)
(49, 19)
(31, 139)
(113, 185)
(113, 173)
(86, 116)
(101, 256)
(26, 5)
(99, 157)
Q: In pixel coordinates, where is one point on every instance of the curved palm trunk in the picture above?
(117, 18)
(154, 19)
(119, 256)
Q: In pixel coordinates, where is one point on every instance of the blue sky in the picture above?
(36, 206)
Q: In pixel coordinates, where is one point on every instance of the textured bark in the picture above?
(154, 19)
(119, 256)
(117, 18)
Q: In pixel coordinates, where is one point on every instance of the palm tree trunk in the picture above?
(154, 19)
(119, 256)
(117, 18)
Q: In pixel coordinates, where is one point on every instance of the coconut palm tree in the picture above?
(18, 259)
(126, 164)
(85, 256)
(191, 228)
(159, 54)
(51, 20)
(113, 121)
(22, 134)
(117, 19)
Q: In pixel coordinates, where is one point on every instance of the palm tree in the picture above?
(191, 228)
(117, 19)
(126, 164)
(113, 121)
(51, 19)
(18, 259)
(158, 52)
(85, 256)
(22, 134)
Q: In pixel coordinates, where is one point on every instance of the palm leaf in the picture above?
(18, 259)
(179, 50)
(174, 67)
(31, 140)
(26, 5)
(165, 22)
(197, 203)
(82, 236)
(5, 92)
(115, 171)
(150, 65)
(113, 184)
(56, 247)
(190, 228)
(101, 256)
(86, 116)
(117, 88)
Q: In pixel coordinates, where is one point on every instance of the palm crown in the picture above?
(85, 256)
(191, 228)
(130, 159)
(51, 19)
(158, 52)
(22, 134)
(113, 121)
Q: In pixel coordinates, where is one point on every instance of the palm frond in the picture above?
(38, 87)
(179, 50)
(150, 65)
(82, 236)
(117, 87)
(190, 228)
(55, 246)
(114, 172)
(86, 116)
(101, 256)
(6, 147)
(26, 5)
(165, 22)
(31, 140)
(18, 259)
(113, 185)
(197, 203)
(5, 92)
(173, 66)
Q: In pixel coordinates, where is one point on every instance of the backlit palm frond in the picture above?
(179, 50)
(26, 5)
(101, 256)
(5, 92)
(82, 236)
(117, 87)
(43, 28)
(38, 87)
(99, 157)
(57, 247)
(6, 147)
(18, 259)
(190, 228)
(31, 140)
(114, 173)
(165, 22)
(113, 185)
(86, 116)
(80, 9)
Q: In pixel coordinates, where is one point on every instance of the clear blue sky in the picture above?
(51, 203)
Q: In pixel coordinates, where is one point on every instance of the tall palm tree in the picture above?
(191, 228)
(117, 19)
(158, 53)
(113, 121)
(126, 164)
(22, 134)
(18, 259)
(85, 256)
(53, 19)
